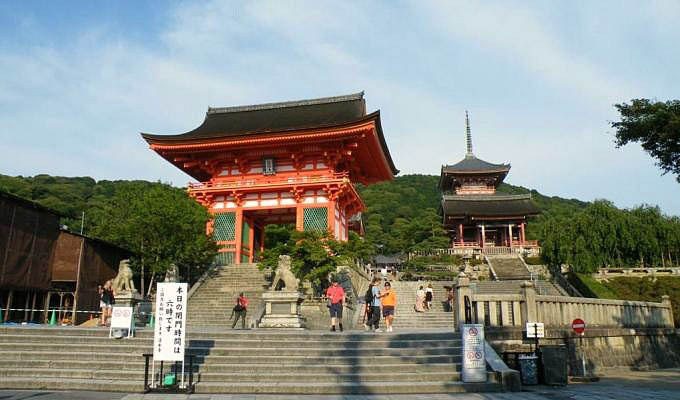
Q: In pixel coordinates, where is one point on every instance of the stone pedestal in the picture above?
(282, 310)
(140, 306)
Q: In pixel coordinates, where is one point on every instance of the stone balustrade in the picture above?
(558, 311)
(608, 273)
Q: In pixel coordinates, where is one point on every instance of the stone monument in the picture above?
(282, 299)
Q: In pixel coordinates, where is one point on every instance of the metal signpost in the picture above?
(579, 327)
(121, 318)
(170, 329)
(535, 330)
(474, 360)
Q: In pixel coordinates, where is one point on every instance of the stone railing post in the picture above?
(462, 291)
(666, 301)
(529, 313)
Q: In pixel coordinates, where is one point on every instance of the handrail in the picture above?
(493, 271)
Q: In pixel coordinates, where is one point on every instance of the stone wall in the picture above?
(604, 348)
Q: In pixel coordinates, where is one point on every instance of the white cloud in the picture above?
(524, 36)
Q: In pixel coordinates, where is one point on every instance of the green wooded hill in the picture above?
(401, 215)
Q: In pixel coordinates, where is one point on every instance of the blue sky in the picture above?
(80, 80)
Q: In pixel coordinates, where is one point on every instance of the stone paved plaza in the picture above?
(616, 385)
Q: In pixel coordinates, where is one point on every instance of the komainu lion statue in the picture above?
(172, 274)
(123, 281)
(284, 279)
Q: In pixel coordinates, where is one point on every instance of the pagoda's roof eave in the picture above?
(494, 197)
(475, 172)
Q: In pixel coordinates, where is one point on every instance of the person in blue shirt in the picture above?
(374, 321)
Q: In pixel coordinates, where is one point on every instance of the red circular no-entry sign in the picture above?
(578, 325)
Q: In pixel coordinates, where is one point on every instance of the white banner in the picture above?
(171, 317)
(474, 360)
(121, 317)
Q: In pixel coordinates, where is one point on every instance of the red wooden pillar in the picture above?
(251, 241)
(483, 236)
(460, 234)
(238, 235)
(262, 238)
(522, 237)
(510, 234)
(299, 218)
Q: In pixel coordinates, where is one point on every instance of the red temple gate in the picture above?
(278, 163)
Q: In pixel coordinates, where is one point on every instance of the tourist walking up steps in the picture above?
(429, 292)
(336, 296)
(420, 300)
(240, 310)
(374, 322)
(389, 303)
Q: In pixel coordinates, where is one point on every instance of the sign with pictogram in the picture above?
(474, 362)
(578, 325)
(121, 320)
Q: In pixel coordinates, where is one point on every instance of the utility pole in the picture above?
(82, 223)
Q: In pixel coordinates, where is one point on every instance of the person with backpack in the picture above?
(240, 310)
(368, 305)
(373, 298)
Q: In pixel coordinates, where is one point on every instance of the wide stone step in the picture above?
(330, 376)
(90, 373)
(327, 375)
(256, 359)
(274, 352)
(258, 334)
(288, 388)
(348, 388)
(101, 385)
(136, 365)
(232, 343)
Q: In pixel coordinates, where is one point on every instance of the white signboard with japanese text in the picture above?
(535, 330)
(171, 317)
(474, 361)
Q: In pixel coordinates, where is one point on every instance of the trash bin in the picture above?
(528, 369)
(554, 359)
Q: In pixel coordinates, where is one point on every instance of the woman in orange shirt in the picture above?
(389, 302)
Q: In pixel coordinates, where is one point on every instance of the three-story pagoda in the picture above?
(473, 212)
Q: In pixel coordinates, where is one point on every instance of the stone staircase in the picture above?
(509, 267)
(211, 304)
(406, 318)
(240, 362)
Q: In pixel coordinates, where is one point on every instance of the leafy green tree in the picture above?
(160, 223)
(316, 255)
(656, 126)
(603, 235)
